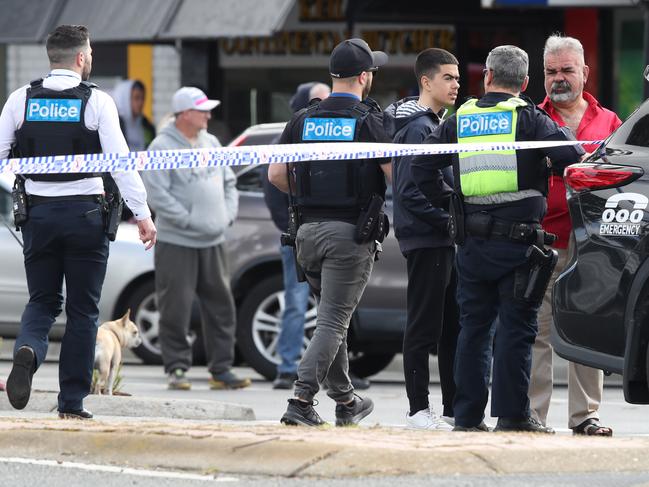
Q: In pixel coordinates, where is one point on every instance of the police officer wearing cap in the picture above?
(64, 235)
(496, 208)
(335, 245)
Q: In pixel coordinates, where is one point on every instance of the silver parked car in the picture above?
(376, 331)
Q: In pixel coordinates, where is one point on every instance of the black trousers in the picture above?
(487, 275)
(65, 240)
(432, 321)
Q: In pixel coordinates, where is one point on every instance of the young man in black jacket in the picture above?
(421, 230)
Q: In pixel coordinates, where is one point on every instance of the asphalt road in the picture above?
(20, 474)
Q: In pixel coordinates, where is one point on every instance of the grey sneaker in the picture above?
(178, 380)
(228, 380)
(351, 414)
(300, 413)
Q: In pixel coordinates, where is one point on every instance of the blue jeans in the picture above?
(296, 299)
(486, 272)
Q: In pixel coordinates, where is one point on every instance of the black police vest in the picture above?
(335, 188)
(54, 125)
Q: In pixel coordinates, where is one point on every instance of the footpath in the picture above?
(211, 437)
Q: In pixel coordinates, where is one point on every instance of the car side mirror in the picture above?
(646, 72)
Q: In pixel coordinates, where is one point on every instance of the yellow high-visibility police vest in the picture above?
(487, 173)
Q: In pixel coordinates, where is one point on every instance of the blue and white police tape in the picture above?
(253, 154)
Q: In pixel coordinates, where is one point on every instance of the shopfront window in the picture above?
(630, 62)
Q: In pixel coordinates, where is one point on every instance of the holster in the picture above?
(483, 225)
(456, 222)
(372, 222)
(113, 206)
(532, 279)
(19, 202)
(289, 238)
(294, 221)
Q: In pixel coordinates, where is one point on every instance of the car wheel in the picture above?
(260, 318)
(365, 364)
(145, 314)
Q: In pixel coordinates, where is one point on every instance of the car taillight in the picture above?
(238, 141)
(589, 177)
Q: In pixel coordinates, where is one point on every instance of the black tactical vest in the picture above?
(55, 125)
(335, 188)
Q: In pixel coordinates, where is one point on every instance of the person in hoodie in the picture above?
(193, 208)
(129, 96)
(421, 230)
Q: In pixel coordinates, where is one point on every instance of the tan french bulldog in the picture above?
(112, 336)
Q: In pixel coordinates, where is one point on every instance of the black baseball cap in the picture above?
(353, 56)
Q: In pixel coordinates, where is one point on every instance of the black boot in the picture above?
(481, 428)
(19, 383)
(78, 414)
(284, 381)
(359, 383)
(529, 425)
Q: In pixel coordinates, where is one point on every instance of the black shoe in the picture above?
(529, 425)
(359, 383)
(284, 381)
(301, 413)
(19, 383)
(481, 428)
(349, 414)
(79, 414)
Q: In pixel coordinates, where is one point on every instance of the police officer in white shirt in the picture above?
(64, 235)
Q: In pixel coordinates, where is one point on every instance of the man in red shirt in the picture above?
(569, 105)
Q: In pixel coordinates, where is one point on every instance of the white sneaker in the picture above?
(426, 419)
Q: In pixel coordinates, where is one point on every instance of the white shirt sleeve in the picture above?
(9, 123)
(112, 140)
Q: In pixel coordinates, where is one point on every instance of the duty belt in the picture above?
(310, 215)
(483, 225)
(33, 200)
(318, 219)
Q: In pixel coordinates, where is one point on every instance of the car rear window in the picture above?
(249, 179)
(635, 130)
(262, 138)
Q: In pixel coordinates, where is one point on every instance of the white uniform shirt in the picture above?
(101, 115)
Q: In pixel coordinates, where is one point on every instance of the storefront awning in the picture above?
(29, 21)
(118, 20)
(26, 21)
(209, 19)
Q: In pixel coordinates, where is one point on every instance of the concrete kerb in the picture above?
(257, 449)
(194, 409)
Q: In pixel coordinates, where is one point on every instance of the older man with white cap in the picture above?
(193, 208)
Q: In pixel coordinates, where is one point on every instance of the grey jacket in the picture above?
(193, 206)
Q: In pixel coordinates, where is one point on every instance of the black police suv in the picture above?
(601, 300)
